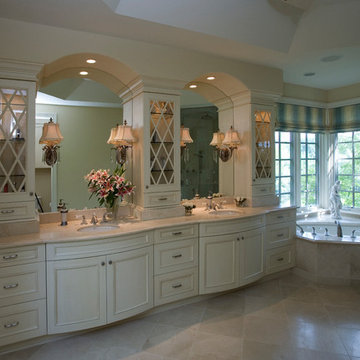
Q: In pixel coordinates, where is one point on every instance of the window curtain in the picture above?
(300, 118)
(345, 118)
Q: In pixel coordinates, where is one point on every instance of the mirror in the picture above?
(86, 111)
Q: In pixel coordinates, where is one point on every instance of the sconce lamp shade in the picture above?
(231, 138)
(51, 134)
(217, 139)
(123, 135)
(185, 137)
(112, 136)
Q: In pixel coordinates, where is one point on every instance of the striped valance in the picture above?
(300, 118)
(345, 118)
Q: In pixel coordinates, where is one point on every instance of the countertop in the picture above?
(54, 233)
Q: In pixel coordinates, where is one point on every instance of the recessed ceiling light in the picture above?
(91, 61)
(331, 58)
(210, 78)
(83, 73)
(193, 86)
(309, 74)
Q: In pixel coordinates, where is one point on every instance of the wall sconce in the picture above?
(122, 138)
(185, 138)
(225, 144)
(51, 137)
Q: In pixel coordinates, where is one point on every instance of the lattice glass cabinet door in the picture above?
(263, 145)
(15, 178)
(162, 143)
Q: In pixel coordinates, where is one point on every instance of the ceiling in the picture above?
(298, 36)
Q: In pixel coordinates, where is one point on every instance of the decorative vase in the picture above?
(112, 209)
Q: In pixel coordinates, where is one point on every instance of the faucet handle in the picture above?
(83, 221)
(94, 219)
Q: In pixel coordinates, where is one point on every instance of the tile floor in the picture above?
(288, 318)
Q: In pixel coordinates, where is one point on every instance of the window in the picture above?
(347, 167)
(297, 168)
(309, 169)
(284, 167)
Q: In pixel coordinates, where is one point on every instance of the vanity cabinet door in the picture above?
(76, 294)
(129, 283)
(251, 255)
(218, 263)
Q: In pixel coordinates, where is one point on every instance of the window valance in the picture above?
(345, 118)
(300, 118)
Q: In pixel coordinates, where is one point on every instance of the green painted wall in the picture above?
(85, 131)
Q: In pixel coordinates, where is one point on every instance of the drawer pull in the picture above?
(11, 286)
(10, 257)
(10, 325)
(177, 286)
(280, 216)
(7, 211)
(177, 256)
(177, 233)
(280, 235)
(163, 199)
(262, 190)
(280, 259)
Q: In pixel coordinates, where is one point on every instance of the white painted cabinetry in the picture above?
(233, 259)
(22, 293)
(85, 292)
(175, 263)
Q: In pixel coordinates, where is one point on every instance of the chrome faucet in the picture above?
(94, 220)
(301, 229)
(313, 231)
(326, 232)
(339, 229)
(353, 236)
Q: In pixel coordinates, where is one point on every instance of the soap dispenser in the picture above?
(63, 211)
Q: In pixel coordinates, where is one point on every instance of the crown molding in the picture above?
(19, 70)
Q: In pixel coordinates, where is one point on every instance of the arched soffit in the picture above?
(110, 72)
(223, 87)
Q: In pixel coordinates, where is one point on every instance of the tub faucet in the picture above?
(313, 231)
(301, 229)
(353, 236)
(94, 220)
(326, 232)
(339, 229)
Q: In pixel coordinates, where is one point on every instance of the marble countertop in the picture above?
(53, 232)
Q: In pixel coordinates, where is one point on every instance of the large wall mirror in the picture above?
(86, 111)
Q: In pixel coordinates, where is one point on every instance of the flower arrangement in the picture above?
(108, 187)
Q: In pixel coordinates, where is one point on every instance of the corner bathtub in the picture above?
(328, 259)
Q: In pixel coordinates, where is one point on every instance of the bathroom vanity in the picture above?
(62, 280)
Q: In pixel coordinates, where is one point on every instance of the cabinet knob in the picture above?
(238, 239)
(110, 262)
(103, 263)
(242, 238)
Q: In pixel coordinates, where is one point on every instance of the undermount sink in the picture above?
(98, 228)
(224, 212)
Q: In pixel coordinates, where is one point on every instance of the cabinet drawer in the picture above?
(22, 321)
(231, 226)
(84, 249)
(280, 235)
(279, 259)
(22, 283)
(13, 211)
(279, 216)
(265, 189)
(175, 233)
(21, 255)
(175, 256)
(161, 199)
(176, 286)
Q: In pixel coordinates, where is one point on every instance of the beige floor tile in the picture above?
(266, 307)
(351, 340)
(307, 312)
(318, 337)
(301, 293)
(340, 295)
(211, 346)
(259, 351)
(268, 331)
(229, 302)
(343, 316)
(170, 341)
(184, 316)
(222, 323)
(264, 289)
